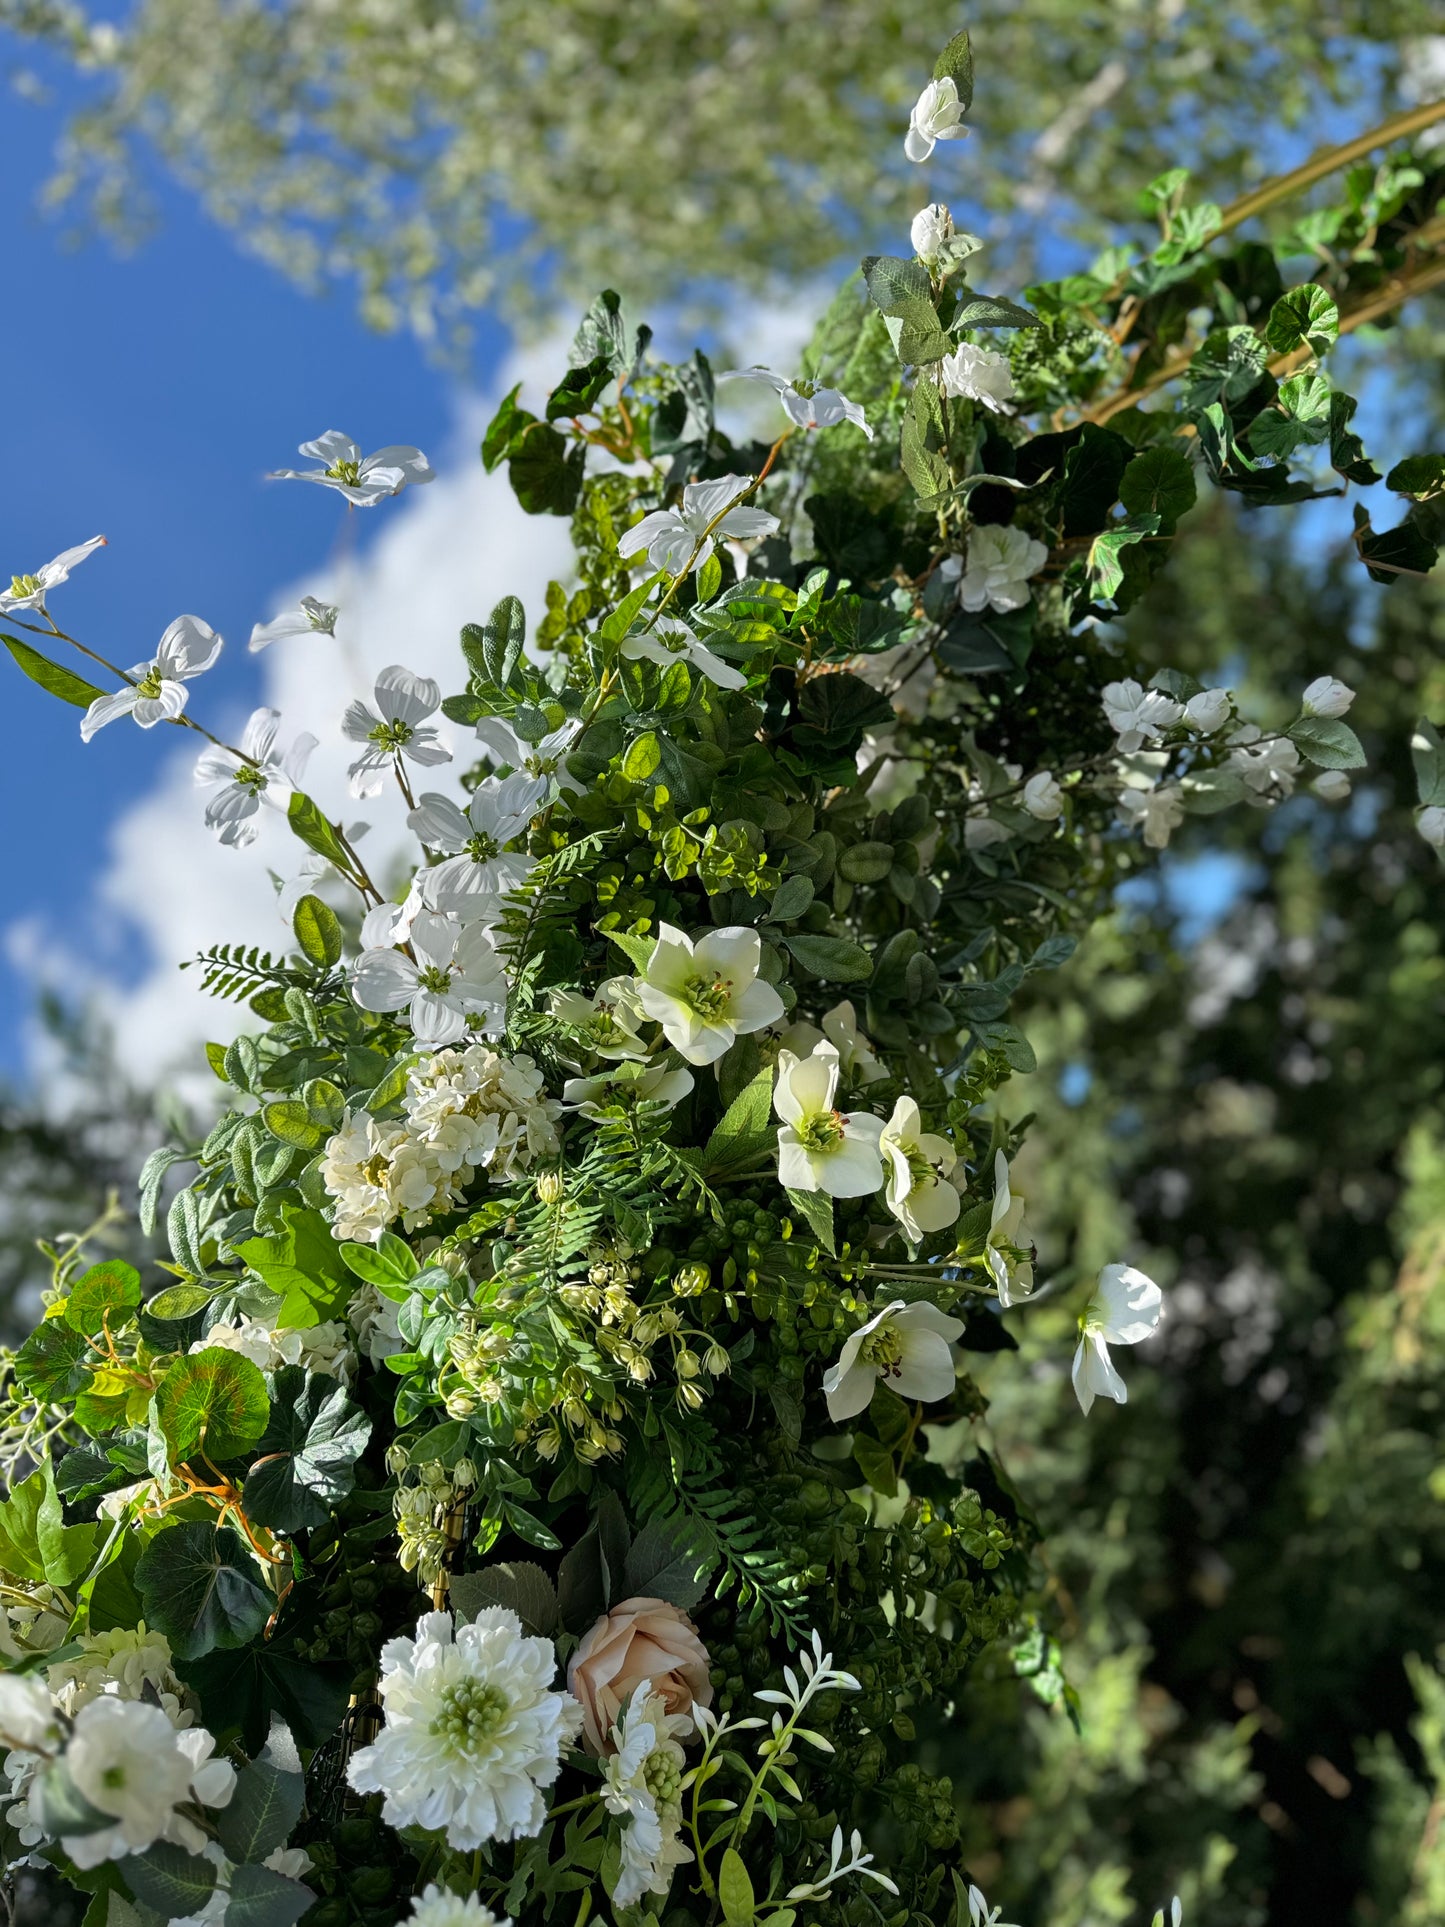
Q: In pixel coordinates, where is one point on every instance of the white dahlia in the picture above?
(435, 1907)
(643, 1784)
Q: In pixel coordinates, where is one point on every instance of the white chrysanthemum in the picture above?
(435, 1907)
(473, 1729)
(643, 1784)
(125, 1664)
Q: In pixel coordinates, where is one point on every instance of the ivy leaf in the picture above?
(580, 387)
(545, 473)
(1303, 317)
(51, 677)
(261, 1812)
(306, 1457)
(1418, 476)
(745, 1129)
(200, 1588)
(1093, 471)
(815, 1208)
(1328, 742)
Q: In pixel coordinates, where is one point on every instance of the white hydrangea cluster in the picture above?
(325, 1347)
(467, 1110)
(126, 1663)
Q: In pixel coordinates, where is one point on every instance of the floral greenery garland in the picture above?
(607, 1214)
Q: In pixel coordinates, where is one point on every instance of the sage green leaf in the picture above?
(306, 1458)
(261, 1812)
(389, 1262)
(615, 626)
(1328, 742)
(261, 1898)
(62, 1807)
(51, 677)
(169, 1879)
(745, 1130)
(213, 1401)
(318, 932)
(992, 311)
(735, 1891)
(178, 1301)
(202, 1589)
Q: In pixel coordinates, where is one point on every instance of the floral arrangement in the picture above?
(547, 1483)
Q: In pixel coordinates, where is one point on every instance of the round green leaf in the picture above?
(201, 1587)
(1159, 481)
(214, 1400)
(109, 1290)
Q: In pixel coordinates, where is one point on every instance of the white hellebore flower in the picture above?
(472, 1731)
(670, 637)
(1332, 785)
(980, 1914)
(1000, 562)
(918, 1163)
(1125, 1308)
(626, 1082)
(479, 867)
(259, 774)
(681, 538)
(1042, 797)
(1208, 711)
(908, 1346)
(607, 1021)
(364, 480)
(308, 618)
(1430, 824)
(1158, 811)
(397, 726)
(707, 993)
(158, 693)
(29, 591)
(642, 1783)
(978, 374)
(807, 403)
(821, 1148)
(457, 974)
(1138, 715)
(542, 761)
(840, 1028)
(1327, 696)
(936, 116)
(1011, 1273)
(435, 1907)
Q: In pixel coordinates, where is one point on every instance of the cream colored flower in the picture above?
(821, 1148)
(918, 1164)
(1012, 1274)
(708, 993)
(908, 1346)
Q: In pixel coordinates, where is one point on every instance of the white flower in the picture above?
(317, 1348)
(158, 694)
(364, 480)
(931, 231)
(642, 1783)
(1430, 824)
(1138, 715)
(260, 774)
(670, 637)
(1208, 711)
(908, 1346)
(1158, 811)
(1266, 767)
(918, 1163)
(681, 538)
(27, 1717)
(607, 1021)
(627, 1082)
(292, 1863)
(821, 1148)
(541, 761)
(1000, 562)
(1008, 1257)
(396, 727)
(1042, 797)
(936, 116)
(981, 832)
(979, 374)
(374, 1319)
(130, 1763)
(1125, 1308)
(390, 923)
(840, 1028)
(29, 591)
(1327, 696)
(980, 1914)
(456, 975)
(126, 1663)
(309, 618)
(435, 1907)
(479, 868)
(472, 1729)
(1332, 785)
(708, 993)
(807, 403)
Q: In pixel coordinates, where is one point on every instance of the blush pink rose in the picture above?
(640, 1639)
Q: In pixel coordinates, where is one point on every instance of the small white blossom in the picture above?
(1327, 696)
(479, 869)
(707, 993)
(158, 692)
(980, 1914)
(456, 975)
(807, 403)
(1138, 715)
(1006, 1253)
(910, 1347)
(840, 1027)
(936, 116)
(125, 1663)
(642, 1783)
(858, 1862)
(397, 726)
(628, 1082)
(1157, 811)
(1000, 562)
(670, 637)
(1042, 797)
(1430, 824)
(931, 231)
(27, 1717)
(318, 1348)
(821, 1148)
(1267, 768)
(541, 761)
(607, 1021)
(918, 1164)
(435, 1907)
(472, 1732)
(29, 591)
(1208, 711)
(259, 774)
(681, 538)
(1125, 1308)
(1332, 785)
(364, 480)
(978, 374)
(308, 618)
(130, 1763)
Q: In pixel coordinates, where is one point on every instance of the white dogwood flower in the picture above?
(707, 993)
(542, 761)
(397, 726)
(1327, 696)
(29, 591)
(1138, 715)
(642, 1783)
(936, 116)
(980, 1914)
(1008, 1257)
(918, 1164)
(807, 403)
(1042, 797)
(670, 637)
(157, 692)
(681, 538)
(908, 1346)
(435, 1907)
(978, 374)
(627, 1082)
(364, 480)
(1157, 810)
(1000, 562)
(259, 774)
(456, 975)
(308, 618)
(1126, 1307)
(821, 1148)
(1208, 711)
(473, 1729)
(479, 867)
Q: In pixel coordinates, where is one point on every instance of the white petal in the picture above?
(383, 980)
(105, 709)
(404, 697)
(438, 822)
(1129, 1305)
(437, 1019)
(925, 1370)
(434, 940)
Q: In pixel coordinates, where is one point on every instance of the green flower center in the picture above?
(472, 1713)
(250, 778)
(481, 848)
(391, 735)
(662, 1776)
(807, 389)
(823, 1131)
(709, 997)
(433, 978)
(882, 1349)
(150, 683)
(113, 1778)
(349, 472)
(25, 585)
(921, 1170)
